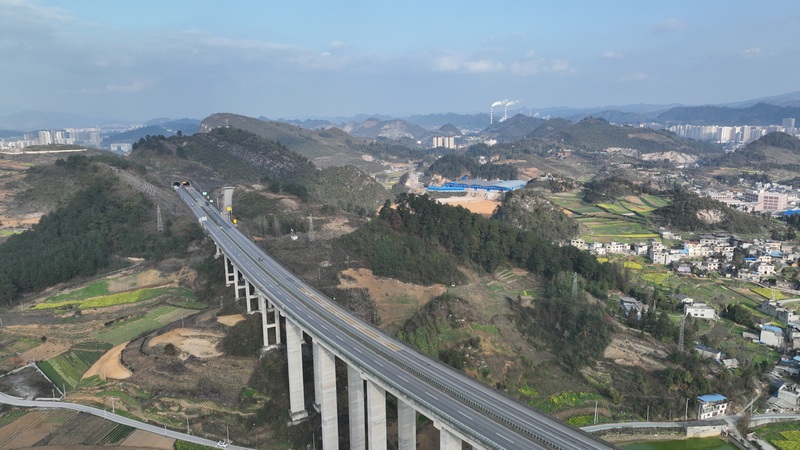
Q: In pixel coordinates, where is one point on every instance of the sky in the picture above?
(143, 59)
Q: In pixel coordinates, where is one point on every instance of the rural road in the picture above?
(9, 400)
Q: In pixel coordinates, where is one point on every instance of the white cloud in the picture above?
(337, 45)
(611, 55)
(459, 63)
(530, 65)
(751, 53)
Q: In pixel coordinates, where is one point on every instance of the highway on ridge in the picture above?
(481, 414)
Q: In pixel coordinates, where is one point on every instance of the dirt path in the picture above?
(110, 365)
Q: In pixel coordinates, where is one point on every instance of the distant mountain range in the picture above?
(761, 111)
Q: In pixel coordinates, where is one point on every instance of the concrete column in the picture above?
(406, 426)
(448, 440)
(236, 275)
(317, 375)
(250, 294)
(355, 396)
(241, 284)
(270, 322)
(294, 355)
(328, 414)
(376, 413)
(218, 253)
(230, 277)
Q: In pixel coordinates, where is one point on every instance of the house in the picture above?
(684, 269)
(683, 298)
(699, 310)
(708, 352)
(731, 363)
(631, 305)
(794, 335)
(711, 405)
(772, 336)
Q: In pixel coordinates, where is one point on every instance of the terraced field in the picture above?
(624, 220)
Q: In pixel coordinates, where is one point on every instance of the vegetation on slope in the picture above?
(528, 211)
(775, 150)
(689, 212)
(455, 166)
(100, 219)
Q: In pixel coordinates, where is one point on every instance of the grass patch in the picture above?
(632, 265)
(784, 435)
(768, 293)
(129, 329)
(93, 290)
(121, 298)
(67, 368)
(11, 416)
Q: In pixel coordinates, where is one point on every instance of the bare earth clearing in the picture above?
(110, 365)
(201, 344)
(635, 353)
(231, 320)
(396, 301)
(478, 205)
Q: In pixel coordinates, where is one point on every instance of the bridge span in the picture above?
(461, 408)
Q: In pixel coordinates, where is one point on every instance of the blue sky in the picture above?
(180, 58)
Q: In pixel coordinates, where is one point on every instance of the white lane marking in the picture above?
(401, 377)
(509, 440)
(434, 397)
(339, 338)
(358, 350)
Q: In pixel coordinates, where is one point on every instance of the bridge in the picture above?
(462, 409)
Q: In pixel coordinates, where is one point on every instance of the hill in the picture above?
(773, 151)
(329, 147)
(759, 114)
(513, 129)
(594, 134)
(688, 212)
(394, 129)
(528, 211)
(230, 155)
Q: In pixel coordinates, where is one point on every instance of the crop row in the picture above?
(117, 299)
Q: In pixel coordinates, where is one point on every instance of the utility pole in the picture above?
(311, 228)
(188, 431)
(595, 412)
(686, 413)
(680, 337)
(648, 414)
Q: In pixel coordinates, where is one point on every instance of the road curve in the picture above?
(14, 401)
(482, 415)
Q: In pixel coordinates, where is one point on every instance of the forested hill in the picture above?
(689, 212)
(99, 218)
(328, 147)
(226, 153)
(775, 150)
(594, 134)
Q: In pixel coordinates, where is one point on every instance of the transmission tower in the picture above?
(311, 228)
(680, 334)
(158, 219)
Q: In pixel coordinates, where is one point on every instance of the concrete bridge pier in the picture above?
(230, 272)
(270, 323)
(406, 426)
(294, 356)
(219, 251)
(241, 284)
(355, 410)
(376, 412)
(328, 414)
(315, 348)
(447, 439)
(250, 294)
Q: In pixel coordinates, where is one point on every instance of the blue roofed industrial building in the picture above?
(479, 185)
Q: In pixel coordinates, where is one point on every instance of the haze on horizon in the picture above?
(138, 60)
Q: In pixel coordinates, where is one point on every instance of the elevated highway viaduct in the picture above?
(461, 408)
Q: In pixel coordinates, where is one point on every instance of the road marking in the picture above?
(434, 397)
(509, 440)
(401, 377)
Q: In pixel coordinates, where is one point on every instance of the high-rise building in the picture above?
(788, 124)
(45, 137)
(444, 141)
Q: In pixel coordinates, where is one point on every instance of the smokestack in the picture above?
(491, 111)
(505, 112)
